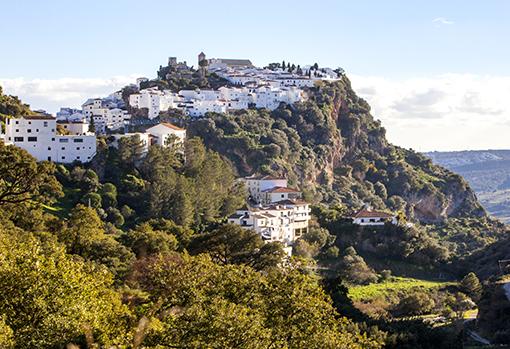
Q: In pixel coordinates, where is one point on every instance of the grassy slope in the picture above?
(392, 287)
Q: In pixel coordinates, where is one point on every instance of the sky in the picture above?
(436, 73)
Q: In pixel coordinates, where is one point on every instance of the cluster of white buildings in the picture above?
(106, 114)
(47, 138)
(198, 102)
(38, 135)
(274, 211)
(249, 87)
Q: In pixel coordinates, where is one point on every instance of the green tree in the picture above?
(23, 179)
(50, 300)
(144, 241)
(354, 268)
(232, 244)
(196, 301)
(471, 286)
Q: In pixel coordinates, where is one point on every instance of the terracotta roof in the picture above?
(38, 117)
(291, 202)
(371, 214)
(171, 126)
(281, 190)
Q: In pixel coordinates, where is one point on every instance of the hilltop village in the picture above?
(273, 209)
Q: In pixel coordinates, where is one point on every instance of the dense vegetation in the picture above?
(136, 248)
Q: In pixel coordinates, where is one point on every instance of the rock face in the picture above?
(336, 152)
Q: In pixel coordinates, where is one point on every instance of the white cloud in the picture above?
(439, 21)
(445, 112)
(51, 94)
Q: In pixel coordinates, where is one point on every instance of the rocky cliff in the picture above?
(336, 152)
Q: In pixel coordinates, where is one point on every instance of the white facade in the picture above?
(75, 128)
(257, 185)
(162, 132)
(38, 136)
(106, 113)
(371, 218)
(154, 100)
(284, 222)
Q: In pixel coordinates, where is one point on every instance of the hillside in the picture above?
(332, 147)
(154, 224)
(488, 173)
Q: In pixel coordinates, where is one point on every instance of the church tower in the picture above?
(202, 64)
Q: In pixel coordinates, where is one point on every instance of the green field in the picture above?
(359, 293)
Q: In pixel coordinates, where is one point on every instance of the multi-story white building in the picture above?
(258, 185)
(75, 127)
(37, 134)
(283, 221)
(106, 113)
(274, 211)
(154, 101)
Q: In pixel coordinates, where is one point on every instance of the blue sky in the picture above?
(47, 42)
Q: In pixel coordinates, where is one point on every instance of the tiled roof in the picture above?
(171, 126)
(291, 202)
(372, 214)
(38, 117)
(281, 190)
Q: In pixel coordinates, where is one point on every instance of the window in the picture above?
(49, 148)
(17, 122)
(77, 148)
(32, 139)
(49, 158)
(63, 157)
(30, 122)
(63, 140)
(18, 139)
(53, 139)
(45, 124)
(29, 131)
(63, 148)
(78, 140)
(17, 130)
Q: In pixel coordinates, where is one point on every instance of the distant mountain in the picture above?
(488, 173)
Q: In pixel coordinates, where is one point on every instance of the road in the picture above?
(475, 336)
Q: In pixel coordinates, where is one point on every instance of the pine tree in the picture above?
(92, 126)
(471, 286)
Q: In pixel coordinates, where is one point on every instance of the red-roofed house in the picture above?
(278, 193)
(162, 132)
(369, 217)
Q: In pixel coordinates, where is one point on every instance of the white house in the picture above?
(162, 132)
(276, 194)
(369, 217)
(283, 221)
(154, 101)
(107, 113)
(37, 134)
(257, 185)
(75, 127)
